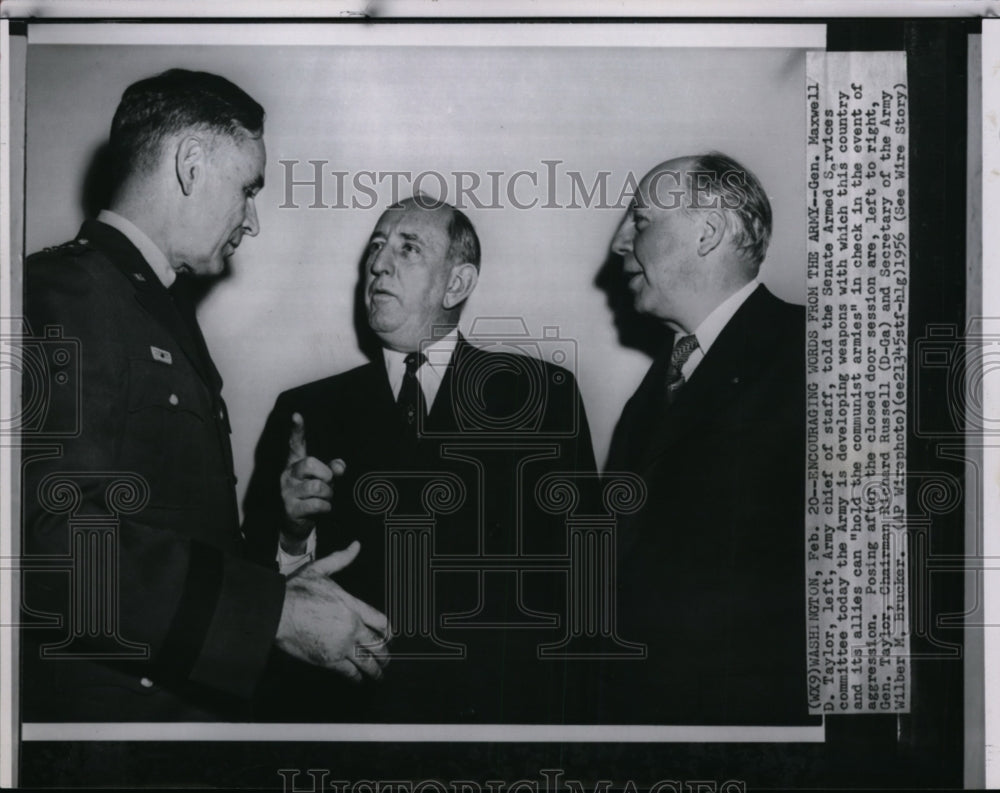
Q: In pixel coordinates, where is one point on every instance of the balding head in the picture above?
(697, 230)
(717, 181)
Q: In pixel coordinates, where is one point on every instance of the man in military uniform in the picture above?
(168, 621)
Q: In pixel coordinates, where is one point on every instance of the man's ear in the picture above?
(712, 231)
(189, 162)
(461, 282)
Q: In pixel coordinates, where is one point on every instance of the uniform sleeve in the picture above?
(203, 615)
(263, 508)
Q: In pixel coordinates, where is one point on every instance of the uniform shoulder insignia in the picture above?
(79, 246)
(75, 247)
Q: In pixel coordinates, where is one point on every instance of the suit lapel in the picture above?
(383, 427)
(375, 400)
(644, 408)
(374, 405)
(442, 413)
(153, 297)
(728, 366)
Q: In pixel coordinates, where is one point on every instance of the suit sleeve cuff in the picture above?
(288, 563)
(242, 628)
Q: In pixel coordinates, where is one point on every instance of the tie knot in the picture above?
(682, 351)
(414, 361)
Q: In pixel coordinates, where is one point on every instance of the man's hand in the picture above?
(326, 626)
(306, 488)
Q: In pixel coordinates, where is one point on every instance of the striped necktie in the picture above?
(683, 350)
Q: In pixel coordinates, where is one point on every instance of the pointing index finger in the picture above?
(297, 439)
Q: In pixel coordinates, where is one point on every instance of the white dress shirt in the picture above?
(430, 376)
(710, 328)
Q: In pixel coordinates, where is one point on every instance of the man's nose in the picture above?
(251, 225)
(381, 261)
(622, 242)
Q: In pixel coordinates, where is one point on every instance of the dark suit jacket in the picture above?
(711, 569)
(146, 409)
(499, 421)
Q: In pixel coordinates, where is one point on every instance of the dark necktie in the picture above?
(683, 350)
(411, 397)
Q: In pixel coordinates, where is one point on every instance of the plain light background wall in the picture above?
(284, 314)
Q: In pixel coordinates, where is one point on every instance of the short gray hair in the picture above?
(734, 189)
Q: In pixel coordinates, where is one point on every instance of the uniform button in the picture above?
(173, 400)
(222, 414)
(146, 683)
(83, 241)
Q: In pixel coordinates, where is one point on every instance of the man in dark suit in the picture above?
(160, 616)
(430, 407)
(711, 568)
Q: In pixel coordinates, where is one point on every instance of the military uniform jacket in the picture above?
(140, 443)
(499, 424)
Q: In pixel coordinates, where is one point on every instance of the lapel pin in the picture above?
(163, 356)
(139, 277)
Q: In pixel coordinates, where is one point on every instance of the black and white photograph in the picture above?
(429, 396)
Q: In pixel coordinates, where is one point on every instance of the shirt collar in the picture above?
(431, 374)
(154, 257)
(710, 328)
